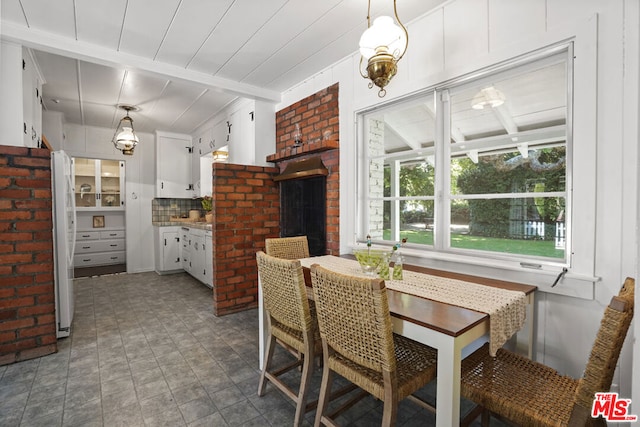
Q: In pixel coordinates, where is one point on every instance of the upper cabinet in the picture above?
(251, 132)
(31, 101)
(173, 166)
(99, 184)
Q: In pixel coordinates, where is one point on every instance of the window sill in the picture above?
(572, 284)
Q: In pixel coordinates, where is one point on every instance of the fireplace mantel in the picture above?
(303, 149)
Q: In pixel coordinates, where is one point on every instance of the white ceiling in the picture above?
(181, 61)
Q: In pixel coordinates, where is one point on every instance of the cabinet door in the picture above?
(99, 184)
(111, 183)
(85, 182)
(197, 256)
(171, 250)
(220, 132)
(173, 167)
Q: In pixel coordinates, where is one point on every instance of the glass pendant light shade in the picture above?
(382, 45)
(125, 139)
(384, 36)
(489, 97)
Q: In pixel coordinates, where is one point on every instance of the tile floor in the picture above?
(146, 350)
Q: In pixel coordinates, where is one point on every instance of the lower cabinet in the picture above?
(168, 248)
(103, 247)
(196, 255)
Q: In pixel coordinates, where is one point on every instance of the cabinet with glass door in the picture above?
(99, 184)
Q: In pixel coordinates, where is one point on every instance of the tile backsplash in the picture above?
(163, 209)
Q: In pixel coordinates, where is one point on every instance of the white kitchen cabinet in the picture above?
(252, 135)
(103, 247)
(168, 248)
(204, 143)
(173, 166)
(99, 184)
(185, 252)
(31, 101)
(197, 254)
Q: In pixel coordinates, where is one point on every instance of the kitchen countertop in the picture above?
(200, 225)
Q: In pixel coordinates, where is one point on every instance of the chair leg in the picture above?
(325, 391)
(301, 406)
(389, 412)
(486, 417)
(267, 361)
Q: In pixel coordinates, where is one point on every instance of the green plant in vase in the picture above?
(207, 203)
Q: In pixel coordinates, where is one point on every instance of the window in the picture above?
(479, 166)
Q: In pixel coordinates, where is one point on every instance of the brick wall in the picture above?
(27, 301)
(246, 211)
(318, 118)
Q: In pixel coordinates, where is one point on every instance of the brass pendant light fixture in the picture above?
(382, 45)
(125, 138)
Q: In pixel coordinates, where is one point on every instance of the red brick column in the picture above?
(246, 210)
(318, 117)
(27, 301)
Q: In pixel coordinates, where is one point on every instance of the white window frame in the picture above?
(578, 198)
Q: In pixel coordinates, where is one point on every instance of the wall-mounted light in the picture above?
(125, 138)
(220, 156)
(489, 97)
(382, 45)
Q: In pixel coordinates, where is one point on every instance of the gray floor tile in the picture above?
(147, 349)
(129, 416)
(239, 413)
(197, 408)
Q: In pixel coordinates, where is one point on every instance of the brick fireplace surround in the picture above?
(246, 205)
(27, 302)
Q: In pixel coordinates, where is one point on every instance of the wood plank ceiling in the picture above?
(181, 61)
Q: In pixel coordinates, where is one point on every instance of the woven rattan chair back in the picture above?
(284, 295)
(290, 323)
(358, 343)
(529, 393)
(353, 316)
(598, 374)
(288, 247)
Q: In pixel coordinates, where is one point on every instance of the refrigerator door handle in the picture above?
(72, 197)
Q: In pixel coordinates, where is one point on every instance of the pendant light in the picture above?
(488, 97)
(382, 45)
(125, 138)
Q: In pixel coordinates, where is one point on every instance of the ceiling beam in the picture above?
(65, 46)
(390, 127)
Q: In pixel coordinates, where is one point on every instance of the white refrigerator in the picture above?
(64, 238)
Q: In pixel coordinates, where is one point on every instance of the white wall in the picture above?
(467, 35)
(95, 142)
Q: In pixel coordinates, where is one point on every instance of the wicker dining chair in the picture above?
(528, 393)
(358, 344)
(289, 322)
(287, 247)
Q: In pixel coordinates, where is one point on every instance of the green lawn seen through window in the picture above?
(539, 248)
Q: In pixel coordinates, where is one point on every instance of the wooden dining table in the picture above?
(445, 327)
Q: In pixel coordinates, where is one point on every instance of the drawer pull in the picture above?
(86, 247)
(114, 257)
(86, 260)
(113, 246)
(113, 234)
(86, 235)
